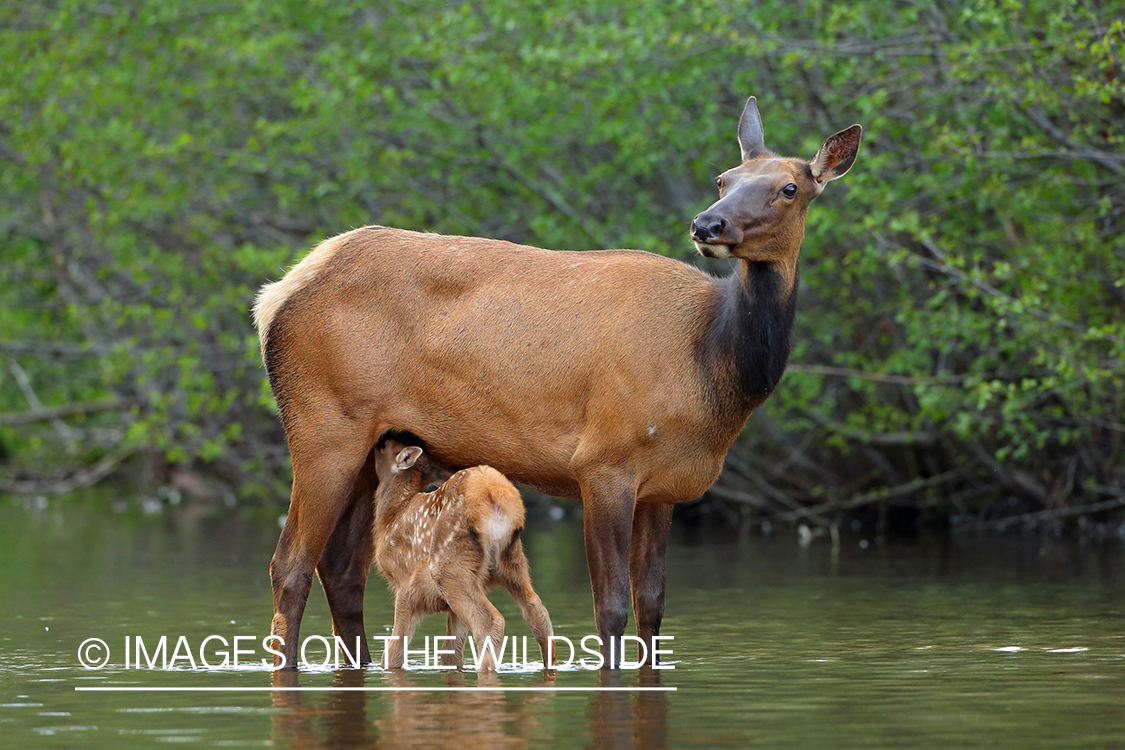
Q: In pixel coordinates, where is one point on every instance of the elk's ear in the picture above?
(836, 155)
(750, 138)
(407, 458)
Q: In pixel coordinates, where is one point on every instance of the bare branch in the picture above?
(920, 437)
(844, 372)
(1055, 513)
(24, 383)
(873, 497)
(67, 410)
(75, 481)
(53, 348)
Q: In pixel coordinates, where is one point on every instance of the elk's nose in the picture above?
(705, 228)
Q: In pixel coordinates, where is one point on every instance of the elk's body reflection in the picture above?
(321, 720)
(464, 719)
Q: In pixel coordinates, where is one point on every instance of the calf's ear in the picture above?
(407, 457)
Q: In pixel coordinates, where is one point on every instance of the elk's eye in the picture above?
(719, 182)
(789, 190)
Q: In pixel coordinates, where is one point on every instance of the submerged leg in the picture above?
(323, 478)
(647, 553)
(408, 613)
(455, 628)
(467, 601)
(607, 520)
(346, 561)
(516, 577)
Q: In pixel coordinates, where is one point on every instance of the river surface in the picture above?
(936, 643)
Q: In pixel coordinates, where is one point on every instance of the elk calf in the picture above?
(442, 550)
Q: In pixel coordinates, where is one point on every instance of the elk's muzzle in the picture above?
(712, 228)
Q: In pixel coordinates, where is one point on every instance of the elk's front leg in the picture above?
(607, 521)
(647, 553)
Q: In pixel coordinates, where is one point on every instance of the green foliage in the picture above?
(989, 244)
(162, 159)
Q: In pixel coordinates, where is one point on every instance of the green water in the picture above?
(963, 643)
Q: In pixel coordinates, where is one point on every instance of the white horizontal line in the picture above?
(319, 689)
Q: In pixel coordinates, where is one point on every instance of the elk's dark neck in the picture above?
(749, 337)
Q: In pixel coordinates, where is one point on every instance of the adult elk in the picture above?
(618, 376)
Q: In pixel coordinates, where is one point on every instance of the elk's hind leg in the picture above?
(325, 468)
(346, 561)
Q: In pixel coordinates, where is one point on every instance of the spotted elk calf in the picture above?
(443, 550)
